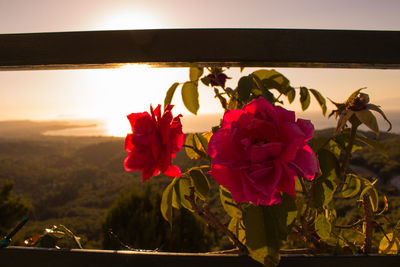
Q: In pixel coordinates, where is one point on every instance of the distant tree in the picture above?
(12, 209)
(136, 220)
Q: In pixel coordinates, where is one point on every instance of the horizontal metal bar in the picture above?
(208, 47)
(19, 256)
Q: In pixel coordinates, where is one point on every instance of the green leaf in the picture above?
(195, 146)
(170, 95)
(195, 73)
(326, 143)
(344, 117)
(373, 196)
(351, 186)
(166, 202)
(320, 99)
(200, 182)
(262, 238)
(229, 205)
(205, 81)
(273, 79)
(366, 117)
(304, 98)
(266, 228)
(323, 227)
(236, 227)
(245, 85)
(391, 246)
(377, 109)
(190, 96)
(291, 95)
(353, 96)
(325, 186)
(192, 141)
(289, 209)
(182, 189)
(372, 143)
(265, 74)
(203, 141)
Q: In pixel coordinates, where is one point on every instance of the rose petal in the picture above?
(265, 152)
(231, 179)
(305, 163)
(230, 116)
(173, 171)
(307, 127)
(287, 182)
(285, 115)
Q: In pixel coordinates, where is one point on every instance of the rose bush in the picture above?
(259, 151)
(256, 154)
(154, 141)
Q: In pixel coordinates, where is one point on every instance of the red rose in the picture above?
(259, 151)
(154, 141)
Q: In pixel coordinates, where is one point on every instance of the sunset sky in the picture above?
(111, 94)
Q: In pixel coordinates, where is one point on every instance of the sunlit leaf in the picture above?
(366, 117)
(373, 196)
(266, 228)
(195, 73)
(236, 227)
(170, 94)
(200, 182)
(203, 141)
(191, 141)
(320, 99)
(377, 109)
(195, 146)
(166, 202)
(262, 235)
(272, 79)
(351, 186)
(291, 95)
(353, 96)
(372, 143)
(304, 98)
(190, 96)
(391, 246)
(386, 207)
(343, 118)
(182, 189)
(229, 205)
(323, 227)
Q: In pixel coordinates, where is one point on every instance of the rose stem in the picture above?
(210, 218)
(348, 151)
(367, 224)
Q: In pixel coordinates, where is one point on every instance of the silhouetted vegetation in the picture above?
(135, 219)
(80, 182)
(12, 208)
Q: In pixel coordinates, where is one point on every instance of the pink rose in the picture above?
(154, 142)
(259, 151)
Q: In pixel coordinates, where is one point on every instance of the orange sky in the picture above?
(112, 94)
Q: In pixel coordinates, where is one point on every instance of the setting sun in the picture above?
(128, 20)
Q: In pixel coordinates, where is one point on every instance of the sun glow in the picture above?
(130, 20)
(115, 93)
